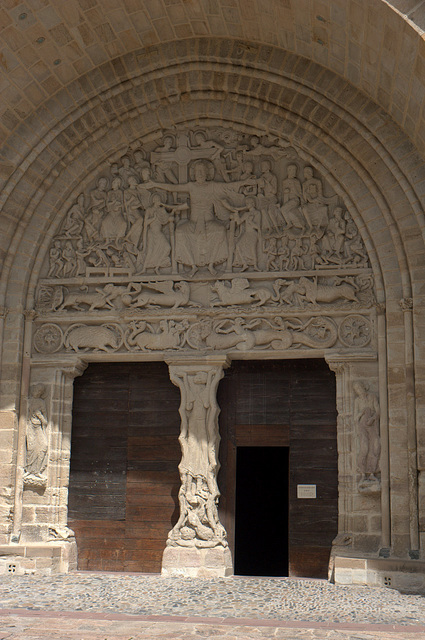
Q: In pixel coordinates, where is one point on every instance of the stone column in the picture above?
(197, 544)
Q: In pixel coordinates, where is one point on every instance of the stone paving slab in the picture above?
(29, 625)
(116, 606)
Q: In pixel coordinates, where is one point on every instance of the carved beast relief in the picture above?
(252, 333)
(205, 223)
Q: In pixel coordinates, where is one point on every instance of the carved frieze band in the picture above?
(222, 334)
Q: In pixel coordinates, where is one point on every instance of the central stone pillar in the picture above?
(197, 545)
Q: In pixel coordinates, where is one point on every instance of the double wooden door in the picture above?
(277, 419)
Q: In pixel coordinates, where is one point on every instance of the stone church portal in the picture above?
(277, 428)
(205, 212)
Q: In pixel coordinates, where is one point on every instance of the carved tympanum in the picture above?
(206, 202)
(209, 224)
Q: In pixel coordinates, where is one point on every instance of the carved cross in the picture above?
(182, 155)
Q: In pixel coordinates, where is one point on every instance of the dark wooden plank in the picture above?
(125, 456)
(300, 394)
(309, 562)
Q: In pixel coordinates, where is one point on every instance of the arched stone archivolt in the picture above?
(343, 40)
(355, 165)
(284, 119)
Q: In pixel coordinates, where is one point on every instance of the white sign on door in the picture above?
(306, 491)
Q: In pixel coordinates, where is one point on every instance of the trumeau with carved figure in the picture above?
(207, 239)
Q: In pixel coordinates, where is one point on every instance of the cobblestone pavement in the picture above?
(111, 606)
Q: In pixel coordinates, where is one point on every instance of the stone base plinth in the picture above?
(197, 563)
(41, 558)
(380, 572)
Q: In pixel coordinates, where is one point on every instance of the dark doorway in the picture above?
(261, 532)
(282, 404)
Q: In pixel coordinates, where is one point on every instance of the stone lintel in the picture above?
(194, 362)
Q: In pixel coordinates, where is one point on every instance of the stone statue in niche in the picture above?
(198, 524)
(36, 438)
(366, 418)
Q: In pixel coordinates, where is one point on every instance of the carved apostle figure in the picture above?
(291, 186)
(74, 222)
(114, 225)
(97, 209)
(55, 260)
(126, 171)
(36, 440)
(246, 250)
(366, 416)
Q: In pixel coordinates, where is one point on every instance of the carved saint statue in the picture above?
(36, 459)
(366, 416)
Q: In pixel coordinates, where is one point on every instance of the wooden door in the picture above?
(124, 456)
(285, 403)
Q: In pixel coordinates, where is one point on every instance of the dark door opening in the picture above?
(262, 506)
